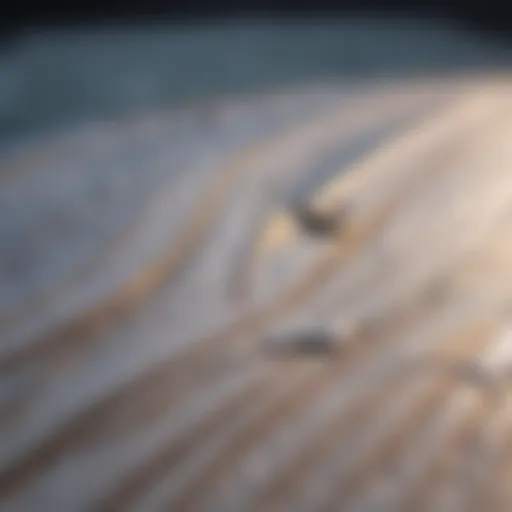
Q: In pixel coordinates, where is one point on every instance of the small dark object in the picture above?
(317, 342)
(438, 291)
(472, 373)
(319, 223)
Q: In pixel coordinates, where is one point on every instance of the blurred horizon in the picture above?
(60, 77)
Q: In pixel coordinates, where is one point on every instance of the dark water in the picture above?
(51, 79)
